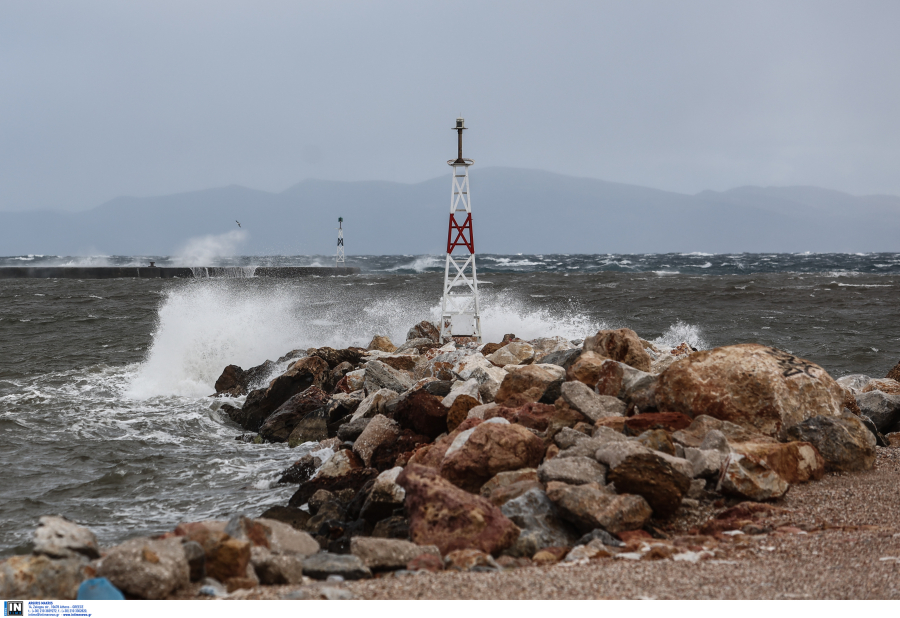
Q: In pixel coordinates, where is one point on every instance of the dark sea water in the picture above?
(104, 411)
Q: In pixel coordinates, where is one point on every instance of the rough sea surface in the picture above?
(104, 407)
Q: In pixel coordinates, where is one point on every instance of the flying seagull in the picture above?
(238, 222)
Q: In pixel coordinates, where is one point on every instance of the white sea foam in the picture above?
(202, 328)
(681, 332)
(205, 250)
(420, 264)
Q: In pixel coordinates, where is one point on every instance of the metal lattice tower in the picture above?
(459, 306)
(339, 259)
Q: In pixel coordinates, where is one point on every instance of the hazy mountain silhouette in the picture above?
(515, 211)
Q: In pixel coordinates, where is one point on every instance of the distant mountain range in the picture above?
(514, 211)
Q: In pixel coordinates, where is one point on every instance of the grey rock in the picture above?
(416, 345)
(321, 565)
(882, 408)
(572, 470)
(704, 463)
(196, 558)
(582, 397)
(537, 516)
(567, 437)
(276, 569)
(562, 358)
(379, 432)
(374, 403)
(386, 496)
(844, 442)
(386, 554)
(379, 376)
(854, 382)
(601, 535)
(351, 431)
(146, 568)
(697, 490)
(715, 440)
(439, 388)
(880, 440)
(58, 537)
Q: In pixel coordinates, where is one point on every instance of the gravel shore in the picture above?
(839, 540)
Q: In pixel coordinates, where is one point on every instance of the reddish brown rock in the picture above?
(616, 423)
(588, 370)
(490, 348)
(526, 385)
(537, 416)
(850, 403)
(621, 345)
(382, 343)
(751, 385)
(336, 357)
(423, 413)
(459, 411)
(424, 330)
(894, 373)
(380, 433)
(795, 462)
(669, 421)
(444, 515)
(425, 562)
(490, 449)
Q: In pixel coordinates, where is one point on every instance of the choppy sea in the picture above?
(104, 408)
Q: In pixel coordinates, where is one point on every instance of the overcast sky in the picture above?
(101, 99)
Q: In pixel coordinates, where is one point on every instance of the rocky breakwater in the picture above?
(431, 456)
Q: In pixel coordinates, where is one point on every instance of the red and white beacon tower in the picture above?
(459, 306)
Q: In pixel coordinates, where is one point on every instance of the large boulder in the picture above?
(379, 433)
(424, 330)
(279, 425)
(540, 522)
(885, 385)
(751, 385)
(235, 381)
(387, 554)
(844, 442)
(147, 568)
(421, 412)
(374, 403)
(746, 476)
(795, 462)
(635, 469)
(513, 353)
(385, 497)
(312, 428)
(490, 448)
(544, 346)
(58, 537)
(621, 345)
(260, 403)
(592, 506)
(883, 408)
(444, 515)
(575, 470)
(382, 344)
(526, 385)
(581, 397)
(40, 577)
(381, 375)
(337, 357)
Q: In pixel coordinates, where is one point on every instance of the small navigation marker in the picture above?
(339, 259)
(459, 306)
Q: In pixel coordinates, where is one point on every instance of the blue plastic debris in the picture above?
(99, 589)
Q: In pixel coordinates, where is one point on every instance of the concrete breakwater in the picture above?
(167, 272)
